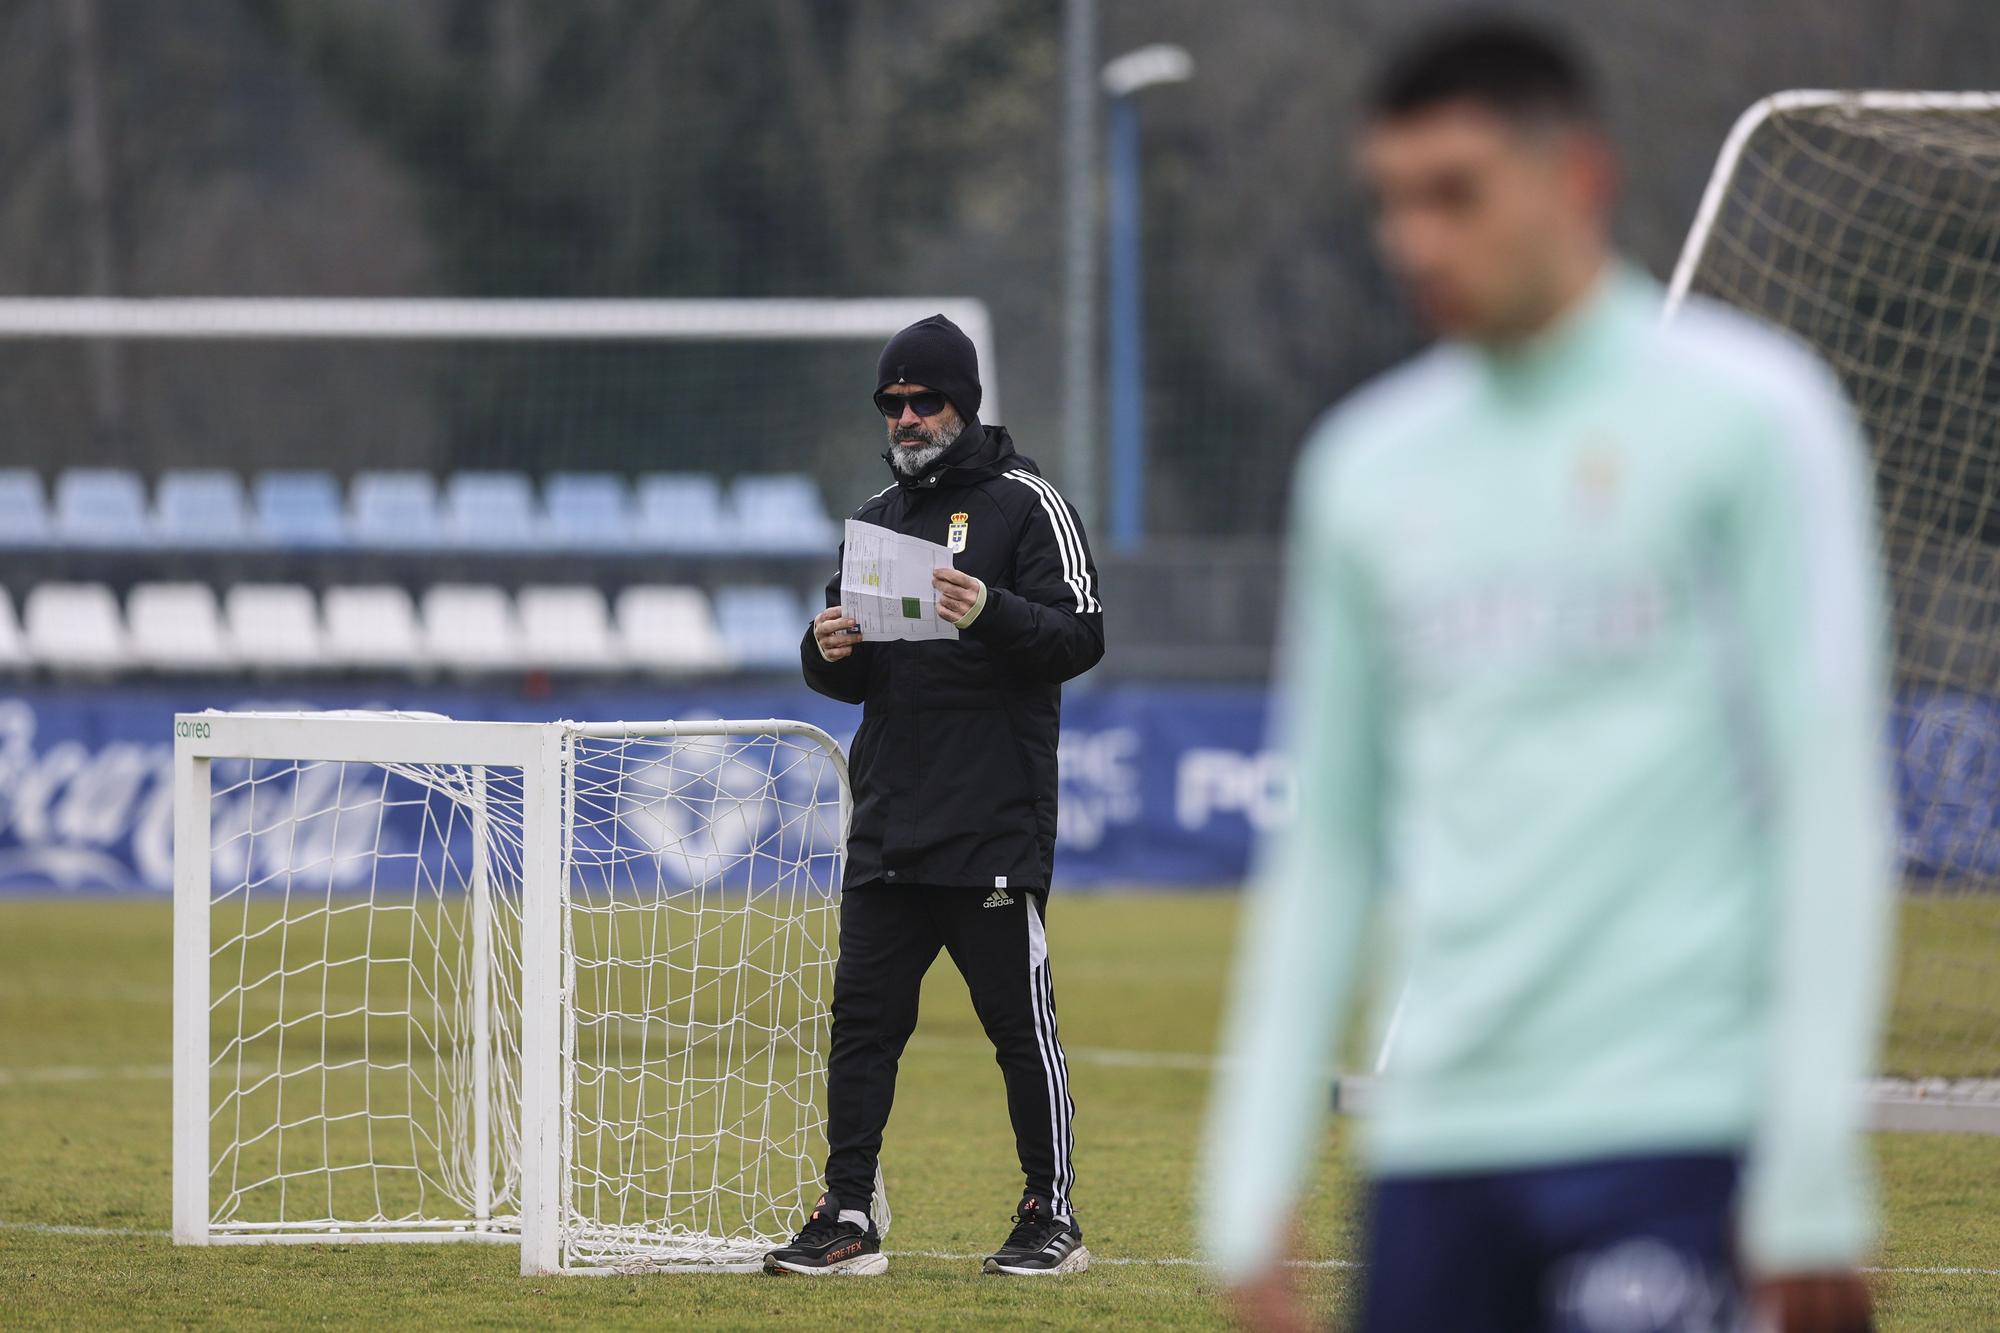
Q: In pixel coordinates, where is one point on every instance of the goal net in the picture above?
(1869, 225)
(557, 984)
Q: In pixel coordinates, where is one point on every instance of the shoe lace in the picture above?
(822, 1225)
(1031, 1230)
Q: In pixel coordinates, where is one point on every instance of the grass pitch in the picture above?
(84, 1020)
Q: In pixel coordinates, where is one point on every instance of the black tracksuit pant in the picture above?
(889, 936)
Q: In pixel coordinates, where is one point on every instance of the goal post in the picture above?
(1868, 225)
(564, 985)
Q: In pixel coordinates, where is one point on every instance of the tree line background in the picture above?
(765, 148)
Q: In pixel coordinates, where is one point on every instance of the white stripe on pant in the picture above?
(1062, 1110)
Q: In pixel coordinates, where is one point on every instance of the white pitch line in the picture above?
(1132, 1261)
(80, 1073)
(1174, 1261)
(1973, 1090)
(46, 1229)
(1109, 1057)
(1117, 1059)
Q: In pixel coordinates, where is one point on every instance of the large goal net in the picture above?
(559, 984)
(1869, 225)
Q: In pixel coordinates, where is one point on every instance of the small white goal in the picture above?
(561, 984)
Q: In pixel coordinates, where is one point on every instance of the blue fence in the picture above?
(1160, 785)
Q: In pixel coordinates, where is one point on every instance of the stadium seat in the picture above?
(471, 627)
(670, 630)
(101, 506)
(682, 511)
(566, 628)
(176, 627)
(274, 626)
(780, 512)
(762, 626)
(491, 509)
(200, 507)
(24, 510)
(13, 646)
(76, 627)
(588, 510)
(393, 509)
(373, 626)
(301, 508)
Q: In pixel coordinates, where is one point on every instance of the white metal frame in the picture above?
(1761, 111)
(540, 751)
(472, 319)
(1894, 1105)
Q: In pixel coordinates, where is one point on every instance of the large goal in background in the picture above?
(723, 385)
(558, 984)
(1868, 223)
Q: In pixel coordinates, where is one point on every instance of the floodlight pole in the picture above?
(1082, 460)
(1123, 78)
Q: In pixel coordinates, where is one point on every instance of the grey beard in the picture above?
(913, 461)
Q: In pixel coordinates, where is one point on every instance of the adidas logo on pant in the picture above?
(998, 898)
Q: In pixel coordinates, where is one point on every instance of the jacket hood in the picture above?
(979, 452)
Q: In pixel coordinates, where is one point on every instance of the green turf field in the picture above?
(84, 1017)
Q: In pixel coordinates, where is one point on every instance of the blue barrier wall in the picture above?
(1160, 785)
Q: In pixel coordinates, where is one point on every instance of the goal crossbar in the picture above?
(498, 319)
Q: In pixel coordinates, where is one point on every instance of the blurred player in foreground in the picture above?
(1586, 665)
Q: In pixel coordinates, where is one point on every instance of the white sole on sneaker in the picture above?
(861, 1265)
(1076, 1261)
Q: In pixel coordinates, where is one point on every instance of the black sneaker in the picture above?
(1040, 1244)
(828, 1245)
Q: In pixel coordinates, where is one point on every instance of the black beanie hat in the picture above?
(935, 353)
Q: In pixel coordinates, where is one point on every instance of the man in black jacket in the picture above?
(954, 773)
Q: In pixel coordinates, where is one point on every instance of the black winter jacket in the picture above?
(954, 766)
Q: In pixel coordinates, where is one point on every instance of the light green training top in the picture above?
(1585, 683)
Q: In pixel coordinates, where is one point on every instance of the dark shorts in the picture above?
(1620, 1245)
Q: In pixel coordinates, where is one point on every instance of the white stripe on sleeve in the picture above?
(1076, 570)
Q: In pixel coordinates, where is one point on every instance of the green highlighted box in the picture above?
(912, 609)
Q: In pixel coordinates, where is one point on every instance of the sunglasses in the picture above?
(926, 404)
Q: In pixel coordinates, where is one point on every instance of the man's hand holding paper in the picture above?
(886, 586)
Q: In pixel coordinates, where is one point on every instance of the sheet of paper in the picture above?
(885, 584)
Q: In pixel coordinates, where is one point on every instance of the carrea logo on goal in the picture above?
(190, 731)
